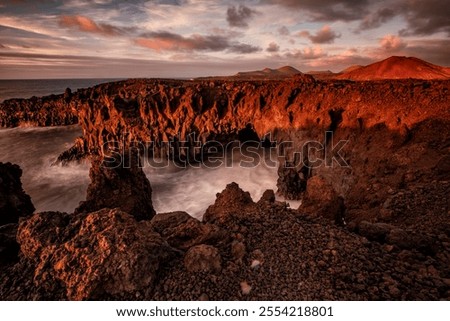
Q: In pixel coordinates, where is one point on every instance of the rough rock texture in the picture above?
(397, 130)
(14, 202)
(53, 110)
(287, 256)
(321, 199)
(182, 231)
(203, 258)
(121, 183)
(230, 206)
(270, 252)
(92, 256)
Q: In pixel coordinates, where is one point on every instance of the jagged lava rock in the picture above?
(121, 183)
(182, 231)
(94, 256)
(231, 205)
(14, 202)
(322, 200)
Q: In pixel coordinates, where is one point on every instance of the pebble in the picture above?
(245, 288)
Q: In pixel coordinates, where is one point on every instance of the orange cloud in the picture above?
(392, 43)
(86, 24)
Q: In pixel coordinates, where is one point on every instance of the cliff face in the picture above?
(54, 110)
(160, 110)
(396, 131)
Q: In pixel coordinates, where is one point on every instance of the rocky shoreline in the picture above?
(242, 250)
(376, 229)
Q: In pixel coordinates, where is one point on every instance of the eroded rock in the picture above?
(119, 183)
(14, 202)
(322, 200)
(231, 205)
(93, 256)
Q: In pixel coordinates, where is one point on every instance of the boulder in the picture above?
(98, 255)
(322, 200)
(14, 202)
(231, 205)
(9, 249)
(267, 197)
(182, 231)
(119, 183)
(374, 231)
(290, 183)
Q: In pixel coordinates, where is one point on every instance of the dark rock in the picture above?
(94, 256)
(76, 153)
(322, 200)
(164, 221)
(119, 183)
(14, 202)
(203, 258)
(231, 205)
(182, 231)
(412, 240)
(374, 231)
(268, 196)
(9, 248)
(290, 183)
(67, 95)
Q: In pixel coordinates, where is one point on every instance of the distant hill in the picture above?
(322, 74)
(268, 73)
(351, 68)
(397, 68)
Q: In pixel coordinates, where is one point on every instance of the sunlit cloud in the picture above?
(307, 34)
(86, 24)
(324, 35)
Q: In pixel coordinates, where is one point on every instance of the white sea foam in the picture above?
(61, 188)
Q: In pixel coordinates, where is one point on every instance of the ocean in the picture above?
(26, 88)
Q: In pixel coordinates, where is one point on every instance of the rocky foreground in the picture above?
(242, 250)
(374, 226)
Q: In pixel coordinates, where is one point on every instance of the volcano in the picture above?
(398, 68)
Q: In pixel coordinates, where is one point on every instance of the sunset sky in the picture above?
(188, 38)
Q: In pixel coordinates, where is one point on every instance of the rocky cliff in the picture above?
(396, 131)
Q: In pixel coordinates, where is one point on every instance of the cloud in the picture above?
(392, 43)
(425, 17)
(326, 10)
(239, 17)
(273, 47)
(376, 19)
(283, 31)
(86, 24)
(167, 41)
(307, 53)
(324, 35)
(433, 50)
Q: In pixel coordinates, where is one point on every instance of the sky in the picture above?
(191, 38)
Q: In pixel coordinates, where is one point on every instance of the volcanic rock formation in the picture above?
(118, 182)
(14, 202)
(397, 68)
